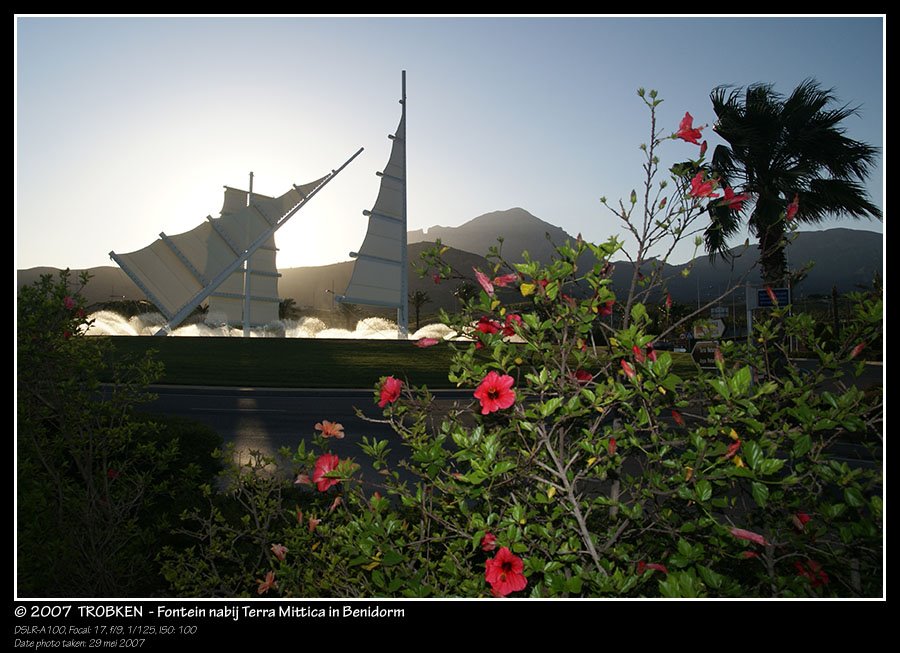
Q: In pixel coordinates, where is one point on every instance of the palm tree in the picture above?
(781, 150)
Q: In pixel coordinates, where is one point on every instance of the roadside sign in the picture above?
(709, 329)
(763, 300)
(718, 311)
(704, 353)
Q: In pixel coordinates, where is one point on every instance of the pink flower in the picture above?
(504, 573)
(487, 325)
(267, 584)
(512, 321)
(313, 523)
(668, 301)
(504, 280)
(583, 376)
(718, 357)
(488, 542)
(302, 479)
(677, 417)
(606, 308)
(686, 131)
(653, 566)
(495, 392)
(390, 391)
(732, 449)
(792, 208)
(857, 350)
(732, 201)
(326, 463)
(484, 281)
(330, 429)
(750, 536)
(422, 343)
(627, 368)
(813, 572)
(700, 188)
(69, 303)
(638, 354)
(334, 504)
(279, 551)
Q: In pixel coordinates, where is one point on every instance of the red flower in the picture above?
(746, 555)
(606, 308)
(67, 334)
(267, 584)
(717, 356)
(334, 504)
(750, 536)
(772, 296)
(437, 279)
(677, 417)
(495, 392)
(686, 131)
(512, 320)
(583, 376)
(651, 352)
(422, 343)
(703, 149)
(732, 449)
(327, 462)
(330, 429)
(668, 301)
(700, 188)
(488, 542)
(112, 474)
(800, 520)
(504, 573)
(857, 350)
(504, 280)
(653, 566)
(732, 201)
(638, 354)
(611, 446)
(792, 208)
(279, 551)
(813, 572)
(69, 303)
(313, 523)
(390, 391)
(487, 326)
(80, 314)
(484, 282)
(626, 367)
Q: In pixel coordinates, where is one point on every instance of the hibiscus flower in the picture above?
(279, 551)
(732, 201)
(484, 281)
(422, 343)
(700, 188)
(686, 131)
(267, 584)
(488, 542)
(330, 429)
(504, 573)
(327, 462)
(495, 392)
(390, 391)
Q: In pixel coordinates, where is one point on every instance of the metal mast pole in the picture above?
(247, 275)
(403, 311)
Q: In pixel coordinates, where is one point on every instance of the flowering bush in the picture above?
(586, 462)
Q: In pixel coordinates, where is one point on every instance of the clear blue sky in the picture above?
(131, 126)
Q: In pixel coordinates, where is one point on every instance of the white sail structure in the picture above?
(380, 273)
(179, 272)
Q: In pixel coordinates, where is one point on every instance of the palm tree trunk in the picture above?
(772, 257)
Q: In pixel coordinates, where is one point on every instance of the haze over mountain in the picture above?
(846, 258)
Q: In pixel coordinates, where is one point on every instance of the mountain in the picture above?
(520, 230)
(846, 258)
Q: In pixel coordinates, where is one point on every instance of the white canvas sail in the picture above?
(178, 272)
(380, 273)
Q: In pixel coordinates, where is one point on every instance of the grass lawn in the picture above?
(302, 363)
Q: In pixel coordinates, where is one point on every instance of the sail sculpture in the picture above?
(178, 272)
(380, 273)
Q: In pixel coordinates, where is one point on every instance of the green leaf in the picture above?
(753, 454)
(703, 490)
(760, 494)
(740, 383)
(802, 445)
(854, 497)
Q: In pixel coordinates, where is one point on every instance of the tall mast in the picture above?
(247, 274)
(403, 311)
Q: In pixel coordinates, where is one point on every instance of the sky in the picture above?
(126, 127)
